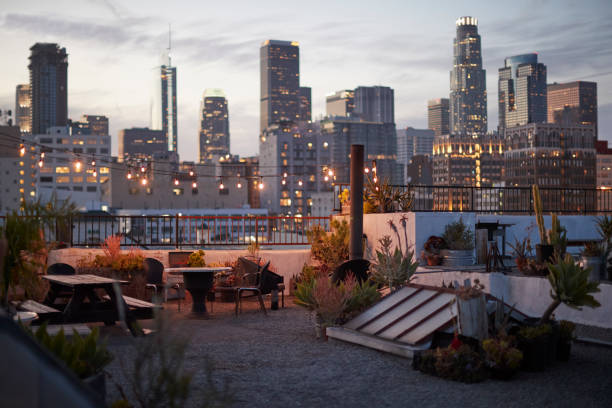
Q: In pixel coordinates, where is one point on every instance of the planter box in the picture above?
(593, 262)
(457, 257)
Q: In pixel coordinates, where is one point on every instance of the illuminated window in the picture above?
(62, 170)
(91, 179)
(77, 179)
(62, 179)
(104, 170)
(177, 191)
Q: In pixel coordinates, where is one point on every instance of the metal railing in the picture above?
(176, 231)
(500, 200)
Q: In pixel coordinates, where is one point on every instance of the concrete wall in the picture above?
(421, 225)
(286, 262)
(531, 295)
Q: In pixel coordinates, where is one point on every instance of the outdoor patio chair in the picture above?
(155, 279)
(257, 281)
(359, 268)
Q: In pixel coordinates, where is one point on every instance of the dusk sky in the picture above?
(407, 45)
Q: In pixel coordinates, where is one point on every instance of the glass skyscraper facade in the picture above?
(23, 108)
(522, 91)
(468, 96)
(305, 103)
(375, 104)
(280, 82)
(573, 103)
(164, 104)
(438, 116)
(48, 86)
(341, 103)
(214, 125)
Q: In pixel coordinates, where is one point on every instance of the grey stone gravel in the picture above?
(276, 361)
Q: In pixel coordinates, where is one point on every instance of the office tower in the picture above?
(164, 105)
(604, 164)
(214, 125)
(48, 86)
(305, 160)
(98, 124)
(379, 141)
(411, 142)
(573, 103)
(340, 103)
(18, 171)
(522, 91)
(305, 103)
(23, 108)
(374, 104)
(438, 116)
(86, 183)
(468, 96)
(280, 82)
(419, 171)
(141, 143)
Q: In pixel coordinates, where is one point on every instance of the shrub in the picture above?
(196, 259)
(363, 296)
(330, 249)
(458, 236)
(460, 364)
(392, 268)
(331, 300)
(502, 357)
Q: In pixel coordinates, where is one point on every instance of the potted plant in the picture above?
(502, 358)
(460, 243)
(604, 226)
(592, 257)
(196, 259)
(86, 356)
(431, 250)
(522, 252)
(457, 362)
(393, 268)
(345, 201)
(566, 336)
(534, 342)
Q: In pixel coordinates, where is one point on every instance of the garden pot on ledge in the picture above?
(593, 262)
(544, 253)
(457, 257)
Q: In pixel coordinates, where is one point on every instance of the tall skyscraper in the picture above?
(305, 103)
(522, 91)
(23, 108)
(375, 104)
(214, 125)
(163, 104)
(280, 82)
(48, 86)
(468, 96)
(141, 143)
(573, 103)
(438, 116)
(340, 103)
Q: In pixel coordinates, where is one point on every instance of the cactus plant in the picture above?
(537, 207)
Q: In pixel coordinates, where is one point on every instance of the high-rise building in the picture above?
(48, 86)
(604, 164)
(438, 116)
(374, 104)
(164, 105)
(214, 125)
(379, 141)
(98, 124)
(141, 143)
(23, 108)
(340, 103)
(468, 96)
(17, 168)
(280, 82)
(573, 103)
(301, 152)
(305, 103)
(522, 91)
(411, 142)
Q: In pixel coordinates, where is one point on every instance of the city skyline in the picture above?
(110, 56)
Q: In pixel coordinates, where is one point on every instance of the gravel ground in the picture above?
(276, 361)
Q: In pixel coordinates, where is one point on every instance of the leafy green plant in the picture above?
(461, 364)
(330, 249)
(537, 207)
(501, 356)
(84, 356)
(344, 196)
(364, 295)
(458, 236)
(196, 259)
(521, 248)
(381, 197)
(566, 331)
(331, 301)
(534, 332)
(393, 268)
(253, 249)
(304, 294)
(557, 236)
(570, 285)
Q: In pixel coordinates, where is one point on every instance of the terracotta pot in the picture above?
(544, 253)
(433, 260)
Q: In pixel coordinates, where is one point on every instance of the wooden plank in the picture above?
(440, 318)
(81, 329)
(420, 314)
(133, 302)
(387, 304)
(39, 308)
(397, 313)
(76, 280)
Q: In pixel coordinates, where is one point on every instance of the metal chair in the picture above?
(258, 280)
(359, 268)
(155, 279)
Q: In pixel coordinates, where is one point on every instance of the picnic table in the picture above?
(198, 281)
(98, 308)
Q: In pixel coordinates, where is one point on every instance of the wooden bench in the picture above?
(44, 312)
(69, 329)
(140, 308)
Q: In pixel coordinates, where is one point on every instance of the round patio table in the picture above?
(198, 281)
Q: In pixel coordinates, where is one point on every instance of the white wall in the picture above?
(531, 295)
(286, 262)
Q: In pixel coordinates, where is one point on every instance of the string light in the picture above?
(176, 182)
(373, 166)
(326, 178)
(22, 150)
(194, 185)
(285, 174)
(93, 163)
(41, 162)
(221, 186)
(283, 182)
(300, 183)
(191, 173)
(375, 180)
(77, 165)
(238, 184)
(129, 175)
(143, 169)
(366, 170)
(330, 172)
(144, 181)
(95, 173)
(261, 184)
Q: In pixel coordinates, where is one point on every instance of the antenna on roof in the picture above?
(169, 44)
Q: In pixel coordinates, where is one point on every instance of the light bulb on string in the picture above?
(194, 185)
(77, 165)
(366, 170)
(285, 174)
(191, 173)
(22, 150)
(143, 169)
(261, 184)
(283, 182)
(95, 173)
(41, 162)
(93, 163)
(238, 184)
(129, 175)
(326, 178)
(300, 183)
(373, 166)
(221, 186)
(176, 182)
(144, 181)
(330, 172)
(375, 180)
